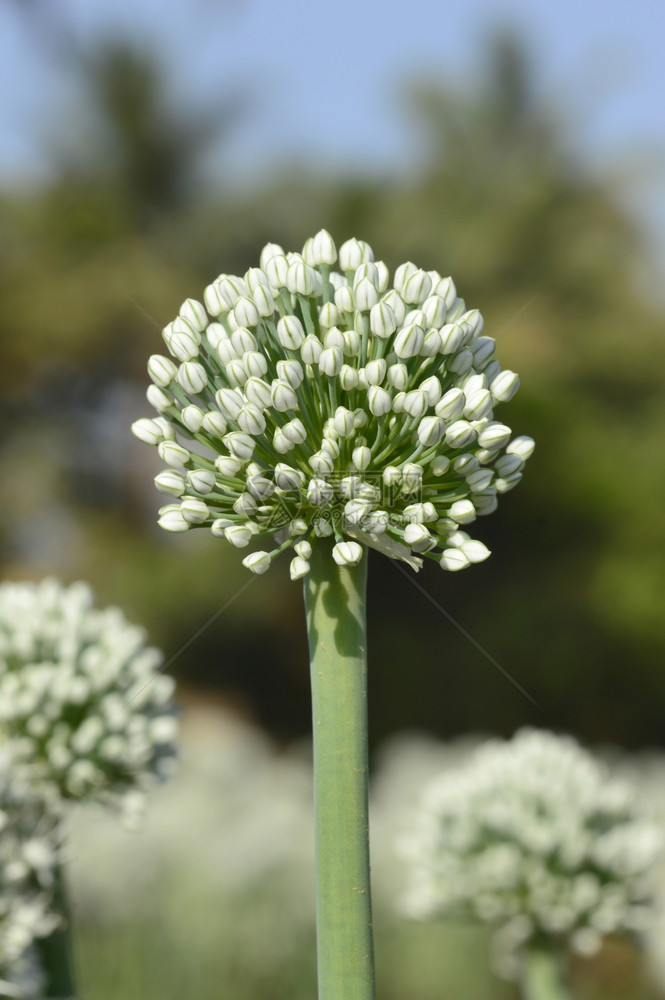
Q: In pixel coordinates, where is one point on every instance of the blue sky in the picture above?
(324, 78)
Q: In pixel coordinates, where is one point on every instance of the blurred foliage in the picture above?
(94, 263)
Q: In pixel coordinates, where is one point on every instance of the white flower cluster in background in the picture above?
(27, 860)
(306, 402)
(85, 710)
(536, 838)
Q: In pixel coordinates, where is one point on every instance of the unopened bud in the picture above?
(347, 553)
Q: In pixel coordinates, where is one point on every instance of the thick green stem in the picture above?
(55, 951)
(543, 976)
(335, 607)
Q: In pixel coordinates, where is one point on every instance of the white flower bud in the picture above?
(219, 526)
(277, 269)
(396, 303)
(505, 483)
(459, 434)
(369, 271)
(434, 309)
(355, 512)
(227, 466)
(258, 392)
(173, 454)
(322, 463)
(192, 377)
(483, 349)
(408, 341)
(344, 299)
(392, 475)
(375, 371)
(194, 511)
(382, 275)
(291, 371)
(412, 478)
(460, 362)
(334, 338)
(420, 513)
(162, 370)
(282, 395)
(379, 400)
(194, 314)
(311, 349)
(263, 300)
(192, 418)
(522, 446)
(329, 445)
(290, 333)
(230, 402)
(331, 361)
(170, 482)
(173, 520)
(243, 340)
(240, 445)
(236, 372)
(288, 479)
(478, 404)
(231, 288)
(508, 464)
(462, 512)
(451, 336)
(479, 480)
(226, 351)
(202, 480)
(281, 443)
(303, 549)
(158, 399)
(415, 288)
(298, 527)
(473, 324)
(417, 537)
(353, 253)
(250, 419)
(301, 279)
(398, 376)
(491, 370)
(494, 436)
(366, 295)
(485, 504)
(453, 560)
(350, 343)
(184, 346)
(382, 320)
(270, 250)
(343, 422)
(415, 403)
(239, 535)
(348, 378)
(213, 302)
(322, 249)
(255, 364)
(328, 315)
(432, 389)
(257, 562)
(347, 553)
(475, 551)
(213, 423)
(361, 456)
(319, 492)
(298, 568)
(430, 431)
(295, 431)
(440, 465)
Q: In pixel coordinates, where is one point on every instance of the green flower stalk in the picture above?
(311, 406)
(535, 838)
(85, 716)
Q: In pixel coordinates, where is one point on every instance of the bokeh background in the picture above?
(146, 147)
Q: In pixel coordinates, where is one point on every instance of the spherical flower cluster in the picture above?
(86, 711)
(27, 860)
(305, 402)
(534, 837)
